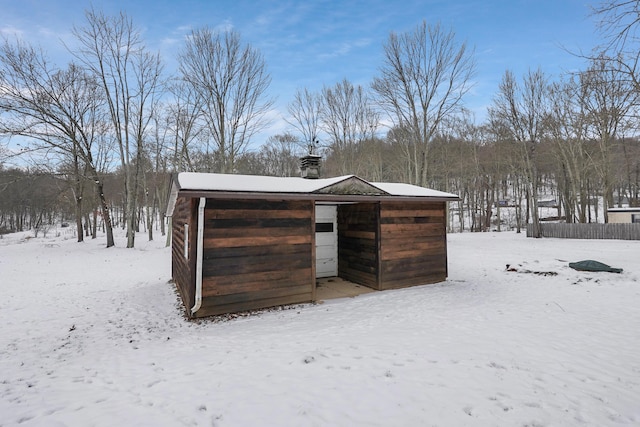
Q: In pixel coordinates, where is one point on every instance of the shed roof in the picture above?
(624, 209)
(253, 183)
(348, 185)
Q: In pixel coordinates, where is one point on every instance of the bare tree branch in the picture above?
(424, 78)
(231, 81)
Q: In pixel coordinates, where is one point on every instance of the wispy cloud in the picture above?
(345, 48)
(53, 41)
(226, 25)
(175, 37)
(284, 16)
(11, 31)
(169, 42)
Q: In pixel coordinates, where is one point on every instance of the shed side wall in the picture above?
(183, 269)
(257, 254)
(357, 243)
(413, 244)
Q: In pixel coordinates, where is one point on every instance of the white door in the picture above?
(326, 241)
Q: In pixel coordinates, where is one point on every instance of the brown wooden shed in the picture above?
(243, 242)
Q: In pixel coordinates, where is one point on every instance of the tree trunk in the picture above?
(535, 219)
(78, 214)
(94, 229)
(162, 212)
(170, 228)
(130, 212)
(104, 207)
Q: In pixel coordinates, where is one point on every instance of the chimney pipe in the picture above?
(310, 166)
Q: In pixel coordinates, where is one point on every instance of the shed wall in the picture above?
(358, 243)
(413, 244)
(183, 269)
(257, 253)
(260, 253)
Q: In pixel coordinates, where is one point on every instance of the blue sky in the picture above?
(315, 43)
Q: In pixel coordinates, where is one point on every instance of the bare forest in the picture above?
(96, 139)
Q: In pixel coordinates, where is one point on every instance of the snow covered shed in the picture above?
(242, 242)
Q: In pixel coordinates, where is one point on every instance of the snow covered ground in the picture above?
(96, 337)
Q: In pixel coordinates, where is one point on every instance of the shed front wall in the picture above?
(256, 254)
(413, 244)
(260, 253)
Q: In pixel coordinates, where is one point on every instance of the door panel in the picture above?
(326, 241)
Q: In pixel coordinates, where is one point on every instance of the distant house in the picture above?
(547, 204)
(245, 242)
(623, 215)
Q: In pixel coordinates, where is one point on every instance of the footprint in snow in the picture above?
(496, 365)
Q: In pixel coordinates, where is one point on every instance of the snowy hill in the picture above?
(96, 337)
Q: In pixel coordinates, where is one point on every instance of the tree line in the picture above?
(111, 126)
(43, 200)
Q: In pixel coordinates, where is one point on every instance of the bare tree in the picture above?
(374, 159)
(231, 80)
(61, 110)
(279, 156)
(182, 120)
(567, 123)
(424, 77)
(630, 151)
(112, 49)
(304, 111)
(404, 168)
(460, 167)
(522, 110)
(348, 118)
(618, 23)
(608, 99)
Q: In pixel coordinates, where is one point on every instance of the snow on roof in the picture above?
(253, 183)
(399, 189)
(196, 181)
(273, 184)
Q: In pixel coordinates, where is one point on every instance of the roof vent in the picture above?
(310, 166)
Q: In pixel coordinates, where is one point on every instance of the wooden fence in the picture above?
(588, 231)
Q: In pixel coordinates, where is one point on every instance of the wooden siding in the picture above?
(261, 253)
(413, 249)
(183, 269)
(358, 243)
(257, 254)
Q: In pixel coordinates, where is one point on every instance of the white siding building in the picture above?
(624, 215)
